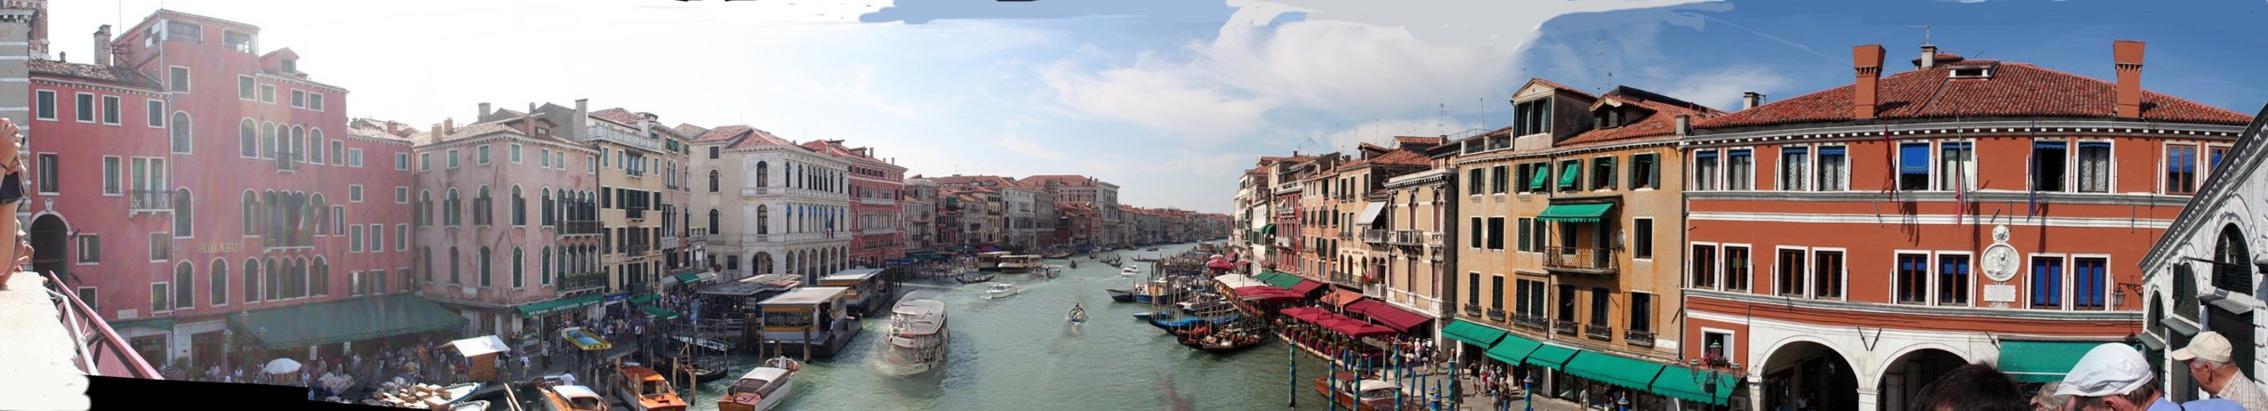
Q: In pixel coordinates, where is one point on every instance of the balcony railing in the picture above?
(634, 213)
(1601, 332)
(151, 200)
(1474, 310)
(1581, 259)
(581, 227)
(102, 351)
(1564, 327)
(582, 281)
(1433, 239)
(1375, 236)
(1642, 338)
(1530, 321)
(1494, 314)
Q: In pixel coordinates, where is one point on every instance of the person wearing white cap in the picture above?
(2208, 359)
(2113, 377)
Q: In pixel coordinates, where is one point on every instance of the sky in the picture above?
(1169, 99)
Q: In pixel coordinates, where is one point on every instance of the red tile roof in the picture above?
(117, 75)
(1418, 140)
(618, 115)
(1661, 123)
(2013, 90)
(1068, 180)
(742, 136)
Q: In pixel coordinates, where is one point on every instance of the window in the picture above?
(110, 110)
(1959, 162)
(90, 248)
(2087, 283)
(1736, 268)
(1740, 169)
(351, 157)
(1531, 117)
(1827, 274)
(401, 194)
(179, 130)
(2047, 166)
(1475, 184)
(514, 153)
(1525, 243)
(1641, 312)
(1913, 166)
(244, 87)
(1716, 344)
(1794, 168)
(1496, 300)
(377, 237)
(1789, 273)
(518, 263)
(1472, 295)
(2181, 169)
(267, 93)
(1567, 303)
(2047, 282)
(1600, 299)
(298, 99)
(713, 151)
(1536, 235)
(1642, 238)
(2094, 166)
(1704, 271)
(1496, 233)
(50, 182)
(486, 279)
(1476, 236)
(161, 247)
(1913, 278)
(354, 239)
(2213, 156)
(155, 113)
(452, 158)
(180, 77)
(86, 108)
(45, 105)
(480, 155)
(1602, 173)
(354, 193)
(401, 237)
(110, 175)
(1570, 175)
(218, 278)
(1645, 171)
(1953, 279)
(424, 161)
(159, 297)
(401, 161)
(1496, 179)
(251, 280)
(1705, 170)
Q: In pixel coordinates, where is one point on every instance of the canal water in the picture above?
(1018, 353)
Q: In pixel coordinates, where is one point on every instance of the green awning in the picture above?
(1472, 333)
(154, 323)
(688, 278)
(1551, 356)
(1568, 174)
(1575, 213)
(1513, 349)
(1621, 371)
(1268, 229)
(2041, 361)
(1285, 281)
(1681, 383)
(303, 325)
(1543, 179)
(1267, 276)
(560, 304)
(658, 312)
(645, 298)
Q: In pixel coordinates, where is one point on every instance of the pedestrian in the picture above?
(2113, 376)
(2209, 362)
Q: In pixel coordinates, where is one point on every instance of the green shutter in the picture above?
(1570, 173)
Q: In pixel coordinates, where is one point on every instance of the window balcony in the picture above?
(1588, 260)
(150, 201)
(1601, 332)
(1475, 310)
(582, 282)
(1494, 314)
(1564, 327)
(1533, 322)
(581, 227)
(1375, 236)
(1642, 338)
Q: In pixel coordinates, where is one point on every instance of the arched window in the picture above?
(547, 205)
(449, 208)
(484, 272)
(715, 225)
(181, 214)
(251, 207)
(219, 278)
(518, 261)
(543, 264)
(2232, 273)
(179, 130)
(763, 175)
(424, 208)
(483, 207)
(251, 281)
(268, 140)
(298, 144)
(455, 267)
(763, 219)
(319, 278)
(273, 280)
(247, 138)
(519, 207)
(425, 261)
(713, 181)
(184, 286)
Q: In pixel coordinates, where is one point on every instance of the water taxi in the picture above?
(1129, 271)
(646, 390)
(763, 388)
(1002, 290)
(919, 337)
(572, 398)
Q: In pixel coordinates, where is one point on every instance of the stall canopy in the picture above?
(303, 325)
(1305, 288)
(2041, 361)
(1279, 279)
(1336, 323)
(1618, 370)
(1219, 264)
(1263, 292)
(1396, 317)
(1370, 213)
(1341, 297)
(658, 312)
(1514, 349)
(478, 346)
(1472, 333)
(1551, 356)
(1575, 213)
(1235, 281)
(1698, 386)
(561, 304)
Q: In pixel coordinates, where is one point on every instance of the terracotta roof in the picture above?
(1662, 122)
(118, 75)
(743, 136)
(689, 130)
(374, 128)
(618, 115)
(2014, 90)
(1400, 158)
(1069, 180)
(1418, 140)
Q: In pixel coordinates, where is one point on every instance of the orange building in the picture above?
(1848, 246)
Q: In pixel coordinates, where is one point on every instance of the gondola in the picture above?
(1225, 345)
(972, 278)
(1121, 295)
(1149, 316)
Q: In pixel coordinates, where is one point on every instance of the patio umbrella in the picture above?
(281, 366)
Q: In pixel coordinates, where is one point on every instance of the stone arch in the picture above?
(50, 240)
(1912, 368)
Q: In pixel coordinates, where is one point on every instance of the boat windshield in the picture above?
(653, 387)
(586, 403)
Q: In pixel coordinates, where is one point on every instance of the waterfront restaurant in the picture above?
(809, 320)
(868, 291)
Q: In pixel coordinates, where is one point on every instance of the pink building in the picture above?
(874, 188)
(507, 221)
(198, 191)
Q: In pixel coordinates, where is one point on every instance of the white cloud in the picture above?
(1382, 132)
(1164, 99)
(1029, 148)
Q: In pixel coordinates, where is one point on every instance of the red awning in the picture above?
(1220, 264)
(1262, 292)
(1301, 313)
(1388, 314)
(1306, 287)
(1341, 297)
(1336, 323)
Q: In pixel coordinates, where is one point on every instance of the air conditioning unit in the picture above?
(470, 291)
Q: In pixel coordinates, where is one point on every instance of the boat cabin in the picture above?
(651, 391)
(727, 309)
(869, 291)
(479, 355)
(574, 398)
(809, 321)
(759, 387)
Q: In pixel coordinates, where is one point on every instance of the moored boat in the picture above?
(646, 390)
(1129, 271)
(973, 278)
(1223, 342)
(919, 336)
(1362, 395)
(703, 358)
(763, 388)
(572, 398)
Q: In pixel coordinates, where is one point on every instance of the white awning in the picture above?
(1235, 281)
(478, 346)
(1370, 214)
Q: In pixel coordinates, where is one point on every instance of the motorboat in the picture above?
(646, 390)
(763, 388)
(1078, 314)
(1002, 290)
(1360, 395)
(973, 277)
(919, 337)
(703, 358)
(1149, 316)
(1129, 271)
(572, 398)
(1141, 292)
(1223, 342)
(1020, 263)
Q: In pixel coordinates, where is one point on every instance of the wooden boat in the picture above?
(646, 390)
(973, 278)
(1149, 316)
(763, 388)
(1223, 344)
(572, 398)
(706, 365)
(919, 337)
(1366, 394)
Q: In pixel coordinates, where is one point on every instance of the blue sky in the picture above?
(1170, 99)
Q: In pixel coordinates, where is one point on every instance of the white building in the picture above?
(2203, 276)
(770, 205)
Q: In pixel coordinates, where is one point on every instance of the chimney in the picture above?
(580, 122)
(1928, 56)
(484, 110)
(2128, 55)
(1750, 99)
(1867, 62)
(449, 125)
(393, 128)
(102, 46)
(1685, 123)
(437, 133)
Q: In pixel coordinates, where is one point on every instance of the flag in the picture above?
(1961, 188)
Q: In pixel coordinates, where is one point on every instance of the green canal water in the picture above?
(1017, 353)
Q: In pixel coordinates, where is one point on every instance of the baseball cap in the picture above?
(2108, 369)
(2209, 346)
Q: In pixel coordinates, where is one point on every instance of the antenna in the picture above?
(1924, 33)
